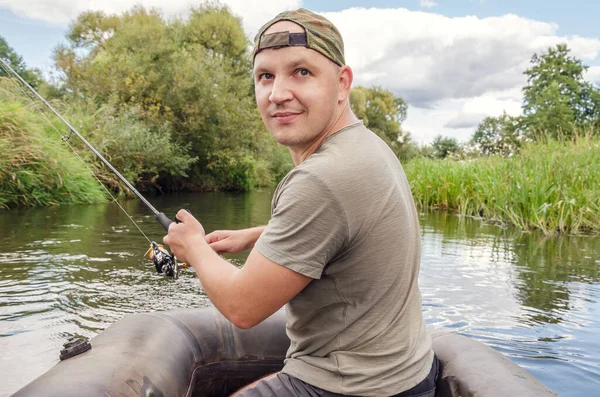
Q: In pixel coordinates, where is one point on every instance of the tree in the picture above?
(557, 100)
(383, 113)
(498, 135)
(192, 76)
(31, 76)
(444, 146)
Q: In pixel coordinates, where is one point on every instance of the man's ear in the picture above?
(345, 77)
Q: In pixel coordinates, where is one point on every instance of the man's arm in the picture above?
(245, 296)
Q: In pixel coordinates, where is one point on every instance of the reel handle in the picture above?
(163, 220)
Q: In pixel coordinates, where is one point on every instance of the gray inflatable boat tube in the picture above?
(197, 352)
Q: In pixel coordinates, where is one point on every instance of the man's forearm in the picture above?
(254, 234)
(224, 286)
(217, 277)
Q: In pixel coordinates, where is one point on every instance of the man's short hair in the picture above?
(319, 34)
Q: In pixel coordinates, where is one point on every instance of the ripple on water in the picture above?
(526, 296)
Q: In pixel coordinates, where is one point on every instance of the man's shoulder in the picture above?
(351, 157)
(350, 153)
(337, 149)
(348, 135)
(303, 176)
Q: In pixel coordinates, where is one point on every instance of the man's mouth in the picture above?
(285, 117)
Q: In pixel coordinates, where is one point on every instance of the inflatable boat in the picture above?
(198, 352)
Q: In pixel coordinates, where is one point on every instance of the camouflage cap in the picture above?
(319, 34)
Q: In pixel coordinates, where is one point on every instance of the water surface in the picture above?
(75, 270)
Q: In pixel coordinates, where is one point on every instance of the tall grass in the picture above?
(36, 167)
(552, 186)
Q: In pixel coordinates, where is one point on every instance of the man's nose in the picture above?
(280, 91)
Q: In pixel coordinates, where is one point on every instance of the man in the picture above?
(342, 248)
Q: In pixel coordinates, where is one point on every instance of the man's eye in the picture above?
(265, 76)
(303, 72)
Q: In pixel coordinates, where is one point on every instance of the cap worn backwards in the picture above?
(319, 34)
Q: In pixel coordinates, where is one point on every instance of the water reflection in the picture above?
(77, 269)
(548, 274)
(552, 271)
(533, 298)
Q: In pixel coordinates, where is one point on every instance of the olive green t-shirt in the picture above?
(346, 218)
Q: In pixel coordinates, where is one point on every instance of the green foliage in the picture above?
(444, 146)
(498, 135)
(382, 113)
(142, 153)
(191, 75)
(217, 30)
(31, 76)
(36, 167)
(409, 149)
(550, 187)
(558, 104)
(91, 29)
(557, 100)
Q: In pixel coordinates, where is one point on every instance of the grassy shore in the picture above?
(553, 187)
(36, 167)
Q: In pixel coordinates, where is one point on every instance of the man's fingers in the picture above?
(212, 237)
(181, 215)
(217, 235)
(184, 215)
(218, 246)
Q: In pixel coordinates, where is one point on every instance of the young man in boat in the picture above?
(342, 247)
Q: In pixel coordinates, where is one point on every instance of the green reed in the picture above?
(553, 187)
(36, 167)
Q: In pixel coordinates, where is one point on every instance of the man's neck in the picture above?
(345, 119)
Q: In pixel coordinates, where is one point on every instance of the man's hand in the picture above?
(247, 295)
(185, 236)
(233, 241)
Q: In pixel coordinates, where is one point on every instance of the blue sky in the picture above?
(33, 40)
(452, 70)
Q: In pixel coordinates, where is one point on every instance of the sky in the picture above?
(454, 62)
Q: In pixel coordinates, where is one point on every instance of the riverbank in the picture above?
(39, 169)
(552, 187)
(36, 167)
(549, 186)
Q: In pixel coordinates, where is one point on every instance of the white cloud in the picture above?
(60, 12)
(428, 58)
(593, 75)
(495, 103)
(448, 69)
(427, 3)
(474, 110)
(425, 124)
(465, 120)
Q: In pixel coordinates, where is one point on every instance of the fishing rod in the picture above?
(164, 262)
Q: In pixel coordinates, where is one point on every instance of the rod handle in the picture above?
(163, 220)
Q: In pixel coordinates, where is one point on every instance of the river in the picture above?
(74, 270)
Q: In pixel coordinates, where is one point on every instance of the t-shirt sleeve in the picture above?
(307, 228)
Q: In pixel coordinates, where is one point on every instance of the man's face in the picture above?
(297, 91)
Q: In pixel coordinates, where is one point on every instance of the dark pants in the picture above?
(283, 385)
